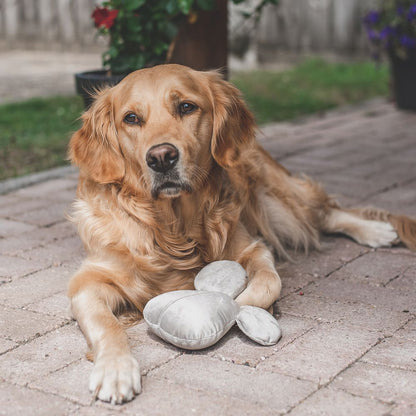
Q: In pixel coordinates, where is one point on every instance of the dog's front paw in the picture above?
(115, 379)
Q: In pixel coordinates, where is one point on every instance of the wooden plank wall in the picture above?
(47, 24)
(295, 26)
(313, 26)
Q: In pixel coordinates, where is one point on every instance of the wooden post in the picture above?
(202, 44)
(11, 21)
(66, 21)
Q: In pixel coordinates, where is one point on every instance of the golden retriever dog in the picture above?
(172, 178)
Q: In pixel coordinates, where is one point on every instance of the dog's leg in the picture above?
(376, 231)
(116, 375)
(264, 283)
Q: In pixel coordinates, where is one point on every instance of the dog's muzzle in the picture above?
(163, 160)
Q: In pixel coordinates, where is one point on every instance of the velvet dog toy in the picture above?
(197, 319)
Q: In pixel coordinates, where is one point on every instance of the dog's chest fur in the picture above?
(185, 233)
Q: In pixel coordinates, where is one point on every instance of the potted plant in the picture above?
(142, 33)
(139, 32)
(392, 29)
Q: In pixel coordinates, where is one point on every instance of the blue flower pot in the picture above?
(404, 80)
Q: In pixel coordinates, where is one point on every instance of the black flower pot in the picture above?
(87, 83)
(404, 80)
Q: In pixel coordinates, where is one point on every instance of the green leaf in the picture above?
(172, 7)
(133, 25)
(137, 62)
(121, 64)
(205, 4)
(133, 4)
(112, 51)
(171, 30)
(185, 6)
(161, 48)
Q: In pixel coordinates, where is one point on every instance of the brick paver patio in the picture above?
(348, 313)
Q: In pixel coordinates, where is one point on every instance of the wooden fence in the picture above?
(313, 26)
(47, 24)
(295, 26)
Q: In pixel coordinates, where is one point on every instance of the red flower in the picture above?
(104, 17)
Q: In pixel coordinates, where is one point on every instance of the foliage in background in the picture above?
(141, 31)
(34, 134)
(392, 27)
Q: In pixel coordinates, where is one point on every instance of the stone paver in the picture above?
(408, 331)
(44, 216)
(188, 400)
(7, 345)
(404, 410)
(21, 326)
(276, 391)
(356, 313)
(322, 353)
(38, 237)
(237, 348)
(10, 228)
(334, 253)
(382, 297)
(45, 354)
(347, 312)
(14, 267)
(17, 401)
(393, 352)
(329, 402)
(388, 385)
(378, 268)
(35, 286)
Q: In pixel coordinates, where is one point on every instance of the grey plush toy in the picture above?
(196, 319)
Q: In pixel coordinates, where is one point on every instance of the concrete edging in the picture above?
(13, 184)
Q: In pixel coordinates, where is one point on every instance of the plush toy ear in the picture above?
(233, 126)
(94, 148)
(259, 325)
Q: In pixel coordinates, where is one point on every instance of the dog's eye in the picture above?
(132, 118)
(186, 108)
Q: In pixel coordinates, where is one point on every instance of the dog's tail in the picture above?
(406, 230)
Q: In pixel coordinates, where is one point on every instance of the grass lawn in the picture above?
(34, 134)
(311, 87)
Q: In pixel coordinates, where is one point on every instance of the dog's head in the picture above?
(163, 129)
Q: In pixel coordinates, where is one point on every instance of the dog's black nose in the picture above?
(162, 157)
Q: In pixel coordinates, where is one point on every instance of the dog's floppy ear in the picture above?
(233, 125)
(94, 147)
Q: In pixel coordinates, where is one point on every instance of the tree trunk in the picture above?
(202, 44)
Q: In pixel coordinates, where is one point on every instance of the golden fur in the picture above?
(229, 200)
